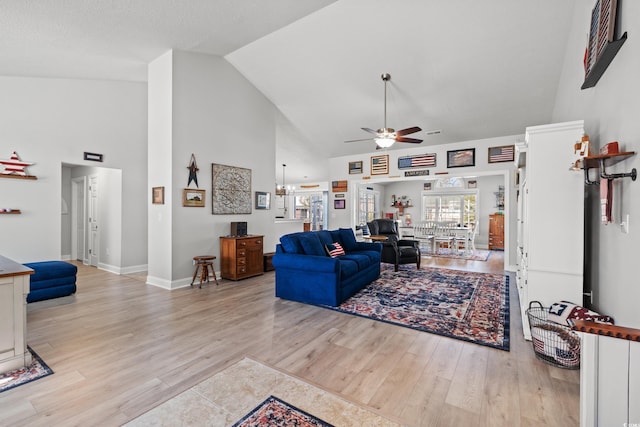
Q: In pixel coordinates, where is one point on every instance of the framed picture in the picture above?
(380, 164)
(157, 195)
(339, 196)
(263, 200)
(193, 198)
(426, 186)
(338, 186)
(461, 158)
(504, 153)
(230, 190)
(472, 183)
(339, 204)
(417, 161)
(355, 167)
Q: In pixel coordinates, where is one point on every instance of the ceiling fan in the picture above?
(386, 137)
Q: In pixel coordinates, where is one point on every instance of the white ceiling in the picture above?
(475, 69)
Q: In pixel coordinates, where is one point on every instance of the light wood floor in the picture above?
(120, 347)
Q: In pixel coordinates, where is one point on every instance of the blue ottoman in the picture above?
(51, 279)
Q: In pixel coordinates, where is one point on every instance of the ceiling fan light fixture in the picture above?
(384, 142)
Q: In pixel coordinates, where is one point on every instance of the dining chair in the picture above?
(424, 233)
(443, 236)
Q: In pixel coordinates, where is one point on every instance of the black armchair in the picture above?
(395, 251)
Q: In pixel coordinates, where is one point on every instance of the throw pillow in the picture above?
(561, 312)
(347, 238)
(311, 244)
(334, 250)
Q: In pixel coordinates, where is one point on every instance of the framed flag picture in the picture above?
(417, 161)
(504, 153)
(380, 164)
(461, 158)
(355, 167)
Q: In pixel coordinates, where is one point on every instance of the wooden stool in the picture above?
(203, 262)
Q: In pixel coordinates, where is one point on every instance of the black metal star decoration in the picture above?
(193, 170)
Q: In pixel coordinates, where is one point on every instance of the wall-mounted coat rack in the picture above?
(599, 161)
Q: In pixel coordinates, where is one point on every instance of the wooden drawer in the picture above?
(241, 256)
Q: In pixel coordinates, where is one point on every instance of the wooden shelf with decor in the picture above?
(401, 208)
(5, 175)
(11, 212)
(608, 53)
(599, 161)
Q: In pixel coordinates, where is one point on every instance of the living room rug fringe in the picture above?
(464, 305)
(477, 255)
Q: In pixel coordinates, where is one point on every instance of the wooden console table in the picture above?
(14, 288)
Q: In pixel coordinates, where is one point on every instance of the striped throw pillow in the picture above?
(334, 249)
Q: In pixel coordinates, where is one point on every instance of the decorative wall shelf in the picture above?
(610, 51)
(13, 212)
(599, 161)
(2, 175)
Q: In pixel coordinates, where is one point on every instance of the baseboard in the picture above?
(109, 268)
(174, 284)
(135, 269)
(65, 257)
(122, 270)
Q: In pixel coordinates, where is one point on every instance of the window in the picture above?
(311, 207)
(453, 207)
(368, 205)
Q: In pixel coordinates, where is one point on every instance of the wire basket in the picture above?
(553, 343)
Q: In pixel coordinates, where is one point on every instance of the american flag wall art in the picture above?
(380, 164)
(417, 161)
(501, 154)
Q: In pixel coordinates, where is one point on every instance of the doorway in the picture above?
(92, 233)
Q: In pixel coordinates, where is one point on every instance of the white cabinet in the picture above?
(551, 218)
(14, 287)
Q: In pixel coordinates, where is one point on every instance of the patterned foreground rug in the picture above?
(276, 412)
(36, 370)
(465, 305)
(236, 393)
(477, 255)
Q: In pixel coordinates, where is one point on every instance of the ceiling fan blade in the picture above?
(407, 131)
(369, 130)
(360, 140)
(411, 140)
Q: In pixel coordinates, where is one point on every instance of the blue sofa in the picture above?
(306, 273)
(51, 279)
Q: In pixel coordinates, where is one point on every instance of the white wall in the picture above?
(205, 107)
(610, 111)
(338, 168)
(486, 187)
(65, 218)
(51, 122)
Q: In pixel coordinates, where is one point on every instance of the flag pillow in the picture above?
(334, 249)
(561, 312)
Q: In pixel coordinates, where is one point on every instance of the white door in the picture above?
(94, 231)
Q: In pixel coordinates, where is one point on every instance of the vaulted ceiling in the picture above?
(473, 69)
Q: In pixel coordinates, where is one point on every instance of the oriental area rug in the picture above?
(276, 412)
(251, 394)
(464, 305)
(18, 377)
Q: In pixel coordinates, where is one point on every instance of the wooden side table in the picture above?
(203, 262)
